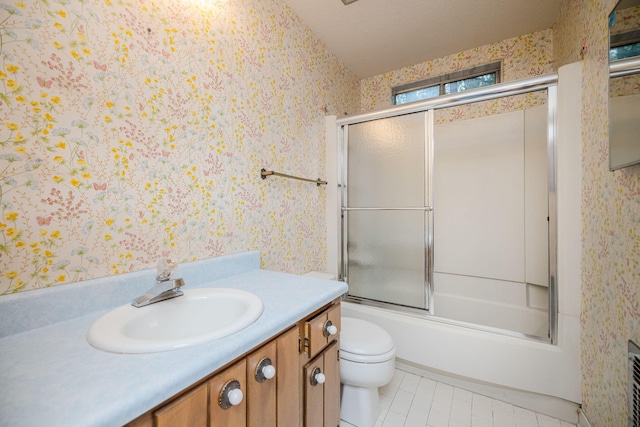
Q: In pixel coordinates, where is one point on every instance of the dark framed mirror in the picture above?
(624, 85)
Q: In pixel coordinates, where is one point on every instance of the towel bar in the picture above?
(265, 173)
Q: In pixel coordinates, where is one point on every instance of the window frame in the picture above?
(441, 81)
(623, 39)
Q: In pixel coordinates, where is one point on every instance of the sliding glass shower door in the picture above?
(385, 210)
(449, 209)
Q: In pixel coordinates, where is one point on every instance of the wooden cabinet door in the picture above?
(332, 386)
(261, 391)
(313, 394)
(322, 400)
(190, 410)
(289, 393)
(235, 416)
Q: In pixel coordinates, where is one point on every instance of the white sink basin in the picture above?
(199, 316)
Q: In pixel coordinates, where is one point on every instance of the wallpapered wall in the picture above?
(611, 222)
(524, 56)
(132, 130)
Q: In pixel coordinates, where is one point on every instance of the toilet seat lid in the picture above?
(368, 358)
(360, 340)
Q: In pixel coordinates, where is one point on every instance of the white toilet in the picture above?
(367, 361)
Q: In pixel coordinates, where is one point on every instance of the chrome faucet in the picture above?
(165, 288)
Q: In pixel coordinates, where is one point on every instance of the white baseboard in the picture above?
(548, 405)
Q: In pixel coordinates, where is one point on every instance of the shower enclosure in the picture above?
(448, 208)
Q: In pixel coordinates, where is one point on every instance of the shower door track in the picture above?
(425, 208)
(546, 82)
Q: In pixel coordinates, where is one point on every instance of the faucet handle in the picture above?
(166, 267)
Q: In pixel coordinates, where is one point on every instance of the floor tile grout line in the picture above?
(491, 407)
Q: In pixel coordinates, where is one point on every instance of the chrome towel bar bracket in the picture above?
(265, 173)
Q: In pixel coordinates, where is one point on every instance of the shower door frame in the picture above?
(428, 219)
(547, 82)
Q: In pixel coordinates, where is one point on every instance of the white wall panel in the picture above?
(624, 130)
(478, 189)
(536, 196)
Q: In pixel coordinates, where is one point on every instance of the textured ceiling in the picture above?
(375, 36)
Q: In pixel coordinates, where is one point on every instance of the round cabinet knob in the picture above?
(230, 395)
(265, 370)
(330, 329)
(235, 396)
(317, 377)
(269, 372)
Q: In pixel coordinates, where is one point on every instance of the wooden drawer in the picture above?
(316, 330)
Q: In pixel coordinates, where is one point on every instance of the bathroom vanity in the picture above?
(52, 376)
(304, 388)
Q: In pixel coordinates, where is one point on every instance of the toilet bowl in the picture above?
(367, 361)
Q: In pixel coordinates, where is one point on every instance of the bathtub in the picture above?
(538, 376)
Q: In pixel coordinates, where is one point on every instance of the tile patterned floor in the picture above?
(410, 400)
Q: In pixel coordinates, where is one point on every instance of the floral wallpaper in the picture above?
(611, 222)
(626, 20)
(133, 130)
(522, 57)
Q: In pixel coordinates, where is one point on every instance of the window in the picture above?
(624, 52)
(624, 45)
(484, 75)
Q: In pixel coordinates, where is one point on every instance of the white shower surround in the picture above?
(535, 367)
(491, 267)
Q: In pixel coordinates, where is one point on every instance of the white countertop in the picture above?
(52, 376)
